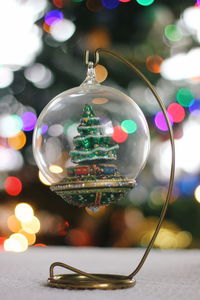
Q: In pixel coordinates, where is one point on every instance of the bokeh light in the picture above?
(52, 17)
(24, 212)
(191, 18)
(39, 75)
(17, 142)
(6, 77)
(55, 130)
(32, 226)
(197, 193)
(173, 33)
(198, 3)
(10, 125)
(153, 63)
(59, 3)
(195, 108)
(55, 169)
(99, 100)
(43, 179)
(160, 121)
(31, 237)
(185, 97)
(129, 126)
(119, 135)
(13, 186)
(21, 38)
(177, 112)
(11, 160)
(17, 242)
(13, 223)
(110, 4)
(29, 120)
(101, 73)
(63, 30)
(145, 2)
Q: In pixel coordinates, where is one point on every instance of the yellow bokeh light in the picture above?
(197, 193)
(13, 224)
(32, 226)
(31, 238)
(43, 179)
(55, 169)
(101, 73)
(17, 242)
(17, 142)
(24, 212)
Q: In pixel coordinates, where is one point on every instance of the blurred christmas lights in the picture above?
(13, 186)
(160, 121)
(177, 112)
(101, 73)
(119, 135)
(52, 17)
(145, 2)
(197, 193)
(129, 126)
(153, 63)
(24, 212)
(25, 225)
(110, 4)
(173, 33)
(185, 97)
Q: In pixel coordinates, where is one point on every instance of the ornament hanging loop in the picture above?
(87, 58)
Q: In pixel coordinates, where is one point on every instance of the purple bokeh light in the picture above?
(29, 120)
(53, 17)
(195, 107)
(110, 4)
(44, 128)
(160, 121)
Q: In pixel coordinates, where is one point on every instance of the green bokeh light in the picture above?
(185, 97)
(173, 33)
(145, 2)
(129, 126)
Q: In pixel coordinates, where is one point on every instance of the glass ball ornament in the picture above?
(90, 143)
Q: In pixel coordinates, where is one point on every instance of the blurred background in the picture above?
(41, 55)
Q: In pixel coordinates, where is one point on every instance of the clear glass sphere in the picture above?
(90, 125)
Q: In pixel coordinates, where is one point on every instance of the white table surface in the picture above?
(166, 275)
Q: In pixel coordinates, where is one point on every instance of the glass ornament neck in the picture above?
(91, 75)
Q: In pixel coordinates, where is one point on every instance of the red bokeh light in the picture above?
(119, 135)
(58, 3)
(13, 186)
(40, 245)
(177, 112)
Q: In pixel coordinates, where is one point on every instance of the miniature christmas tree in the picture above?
(94, 180)
(92, 145)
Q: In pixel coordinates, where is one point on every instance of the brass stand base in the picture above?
(77, 281)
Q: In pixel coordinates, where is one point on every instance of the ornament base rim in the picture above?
(80, 282)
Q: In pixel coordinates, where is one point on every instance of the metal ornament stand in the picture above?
(83, 280)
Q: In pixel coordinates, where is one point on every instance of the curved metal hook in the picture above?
(87, 58)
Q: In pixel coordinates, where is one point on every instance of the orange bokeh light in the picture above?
(17, 142)
(153, 63)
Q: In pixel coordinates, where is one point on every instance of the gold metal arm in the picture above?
(81, 279)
